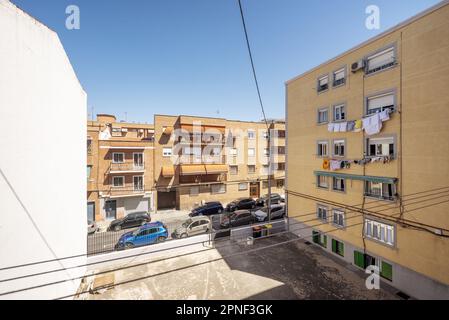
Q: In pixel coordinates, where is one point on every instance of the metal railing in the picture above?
(125, 166)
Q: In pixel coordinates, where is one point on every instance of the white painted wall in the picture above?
(43, 155)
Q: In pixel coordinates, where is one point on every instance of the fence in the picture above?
(104, 242)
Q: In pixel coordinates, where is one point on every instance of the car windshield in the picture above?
(186, 223)
(264, 210)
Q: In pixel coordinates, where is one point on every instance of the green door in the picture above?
(387, 271)
(316, 237)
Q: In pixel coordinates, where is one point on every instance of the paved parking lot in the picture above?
(277, 270)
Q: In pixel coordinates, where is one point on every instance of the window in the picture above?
(386, 271)
(251, 152)
(243, 186)
(322, 212)
(322, 147)
(339, 77)
(319, 238)
(280, 133)
(280, 166)
(323, 83)
(118, 181)
(138, 183)
(118, 157)
(233, 170)
(379, 231)
(380, 102)
(252, 169)
(380, 146)
(266, 152)
(385, 191)
(264, 184)
(338, 218)
(265, 135)
(339, 148)
(339, 112)
(194, 191)
(233, 152)
(280, 183)
(89, 170)
(322, 182)
(281, 150)
(323, 116)
(338, 247)
(218, 188)
(338, 184)
(251, 134)
(167, 152)
(381, 60)
(89, 146)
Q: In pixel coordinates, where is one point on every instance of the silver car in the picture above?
(193, 226)
(277, 212)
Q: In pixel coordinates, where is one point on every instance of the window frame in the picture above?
(384, 136)
(253, 137)
(318, 143)
(393, 198)
(373, 54)
(212, 191)
(386, 226)
(320, 110)
(230, 171)
(243, 183)
(324, 207)
(343, 83)
(250, 165)
(343, 213)
(117, 153)
(338, 105)
(334, 141)
(120, 186)
(318, 182)
(318, 87)
(338, 190)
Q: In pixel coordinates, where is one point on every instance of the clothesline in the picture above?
(371, 124)
(334, 165)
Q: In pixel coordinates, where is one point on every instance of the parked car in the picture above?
(277, 212)
(149, 233)
(241, 203)
(263, 201)
(282, 198)
(236, 219)
(209, 208)
(134, 219)
(193, 226)
(91, 227)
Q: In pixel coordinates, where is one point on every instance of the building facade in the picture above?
(179, 162)
(368, 137)
(119, 168)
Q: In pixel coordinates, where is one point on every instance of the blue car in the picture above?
(149, 233)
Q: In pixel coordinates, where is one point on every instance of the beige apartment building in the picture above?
(179, 162)
(367, 166)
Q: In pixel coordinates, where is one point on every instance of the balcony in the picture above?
(126, 167)
(127, 190)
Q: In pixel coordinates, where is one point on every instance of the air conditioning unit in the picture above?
(359, 65)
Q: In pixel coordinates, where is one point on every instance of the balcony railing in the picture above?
(126, 167)
(126, 190)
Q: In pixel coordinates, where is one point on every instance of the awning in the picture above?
(356, 177)
(216, 168)
(192, 169)
(168, 171)
(167, 130)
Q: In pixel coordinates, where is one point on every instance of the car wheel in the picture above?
(184, 235)
(160, 239)
(129, 246)
(117, 228)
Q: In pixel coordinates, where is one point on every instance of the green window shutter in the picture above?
(387, 271)
(334, 245)
(341, 249)
(359, 259)
(324, 241)
(316, 237)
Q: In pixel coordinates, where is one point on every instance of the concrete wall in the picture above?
(43, 113)
(419, 124)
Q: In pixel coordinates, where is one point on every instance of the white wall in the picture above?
(43, 155)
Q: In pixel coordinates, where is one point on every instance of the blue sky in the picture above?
(146, 57)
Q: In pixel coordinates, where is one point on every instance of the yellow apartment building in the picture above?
(368, 150)
(179, 162)
(119, 168)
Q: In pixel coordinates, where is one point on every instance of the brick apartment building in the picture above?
(179, 162)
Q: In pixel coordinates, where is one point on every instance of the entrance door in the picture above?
(254, 190)
(91, 211)
(138, 160)
(110, 208)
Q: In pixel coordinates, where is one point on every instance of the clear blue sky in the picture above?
(189, 56)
